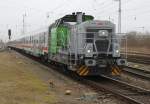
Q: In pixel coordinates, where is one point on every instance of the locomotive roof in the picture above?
(73, 18)
(98, 23)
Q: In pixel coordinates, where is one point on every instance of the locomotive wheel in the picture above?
(44, 58)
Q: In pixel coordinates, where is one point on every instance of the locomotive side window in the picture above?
(90, 36)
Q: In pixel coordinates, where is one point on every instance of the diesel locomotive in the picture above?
(86, 46)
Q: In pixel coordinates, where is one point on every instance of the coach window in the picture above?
(44, 38)
(41, 40)
(24, 40)
(30, 39)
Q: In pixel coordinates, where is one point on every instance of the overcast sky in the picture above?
(135, 13)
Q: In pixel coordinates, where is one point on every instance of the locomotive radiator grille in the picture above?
(102, 45)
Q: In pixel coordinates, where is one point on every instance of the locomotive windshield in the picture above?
(100, 37)
(99, 31)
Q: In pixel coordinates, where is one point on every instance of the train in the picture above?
(77, 41)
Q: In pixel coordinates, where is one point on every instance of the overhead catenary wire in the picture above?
(103, 8)
(124, 2)
(106, 11)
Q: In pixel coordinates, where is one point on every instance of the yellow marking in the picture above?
(86, 73)
(118, 69)
(82, 72)
(113, 73)
(80, 69)
(115, 70)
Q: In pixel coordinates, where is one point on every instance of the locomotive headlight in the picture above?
(88, 51)
(103, 33)
(117, 51)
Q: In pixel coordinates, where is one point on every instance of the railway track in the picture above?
(138, 57)
(125, 91)
(141, 60)
(137, 72)
(136, 53)
(120, 89)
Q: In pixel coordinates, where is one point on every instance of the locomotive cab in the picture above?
(95, 45)
(84, 45)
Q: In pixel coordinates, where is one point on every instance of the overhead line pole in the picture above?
(119, 16)
(23, 31)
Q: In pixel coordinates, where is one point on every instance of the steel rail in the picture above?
(102, 87)
(137, 57)
(139, 60)
(105, 86)
(127, 91)
(137, 72)
(136, 53)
